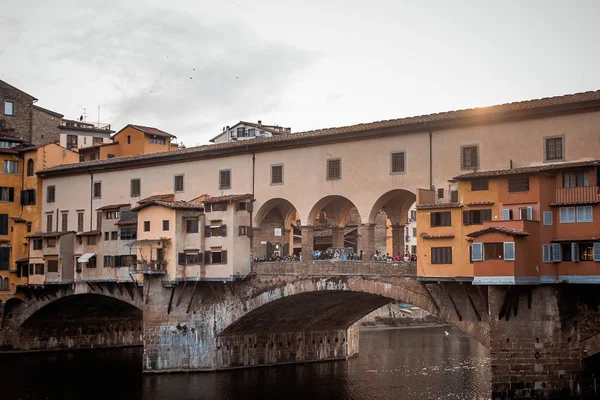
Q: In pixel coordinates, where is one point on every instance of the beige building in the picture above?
(248, 130)
(373, 168)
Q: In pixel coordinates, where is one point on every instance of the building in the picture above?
(248, 130)
(79, 134)
(527, 225)
(129, 141)
(411, 230)
(17, 112)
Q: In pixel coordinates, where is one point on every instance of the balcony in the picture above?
(577, 195)
(149, 267)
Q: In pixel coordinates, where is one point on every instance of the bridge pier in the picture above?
(366, 241)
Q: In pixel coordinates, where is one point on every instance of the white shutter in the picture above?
(574, 252)
(506, 214)
(597, 251)
(546, 253)
(477, 252)
(530, 213)
(548, 218)
(556, 253)
(509, 251)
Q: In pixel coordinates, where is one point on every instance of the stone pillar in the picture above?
(366, 241)
(337, 236)
(398, 239)
(308, 242)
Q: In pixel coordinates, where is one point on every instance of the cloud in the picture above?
(187, 74)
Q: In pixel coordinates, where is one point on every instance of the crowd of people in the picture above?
(276, 258)
(379, 256)
(336, 254)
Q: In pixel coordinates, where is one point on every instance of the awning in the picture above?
(86, 257)
(215, 226)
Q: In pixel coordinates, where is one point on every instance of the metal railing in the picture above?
(577, 194)
(149, 266)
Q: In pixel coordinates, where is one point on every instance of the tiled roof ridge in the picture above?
(500, 229)
(529, 169)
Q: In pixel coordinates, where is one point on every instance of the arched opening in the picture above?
(276, 233)
(394, 223)
(336, 222)
(30, 167)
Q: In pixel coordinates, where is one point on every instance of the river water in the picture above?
(399, 364)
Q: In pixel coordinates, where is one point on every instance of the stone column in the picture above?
(308, 242)
(366, 241)
(337, 236)
(398, 239)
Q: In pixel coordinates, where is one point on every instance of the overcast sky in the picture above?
(190, 67)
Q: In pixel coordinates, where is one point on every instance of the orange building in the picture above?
(129, 141)
(525, 225)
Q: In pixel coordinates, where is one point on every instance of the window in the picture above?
(251, 132)
(37, 244)
(178, 184)
(454, 196)
(469, 157)
(30, 167)
(215, 257)
(567, 215)
(414, 232)
(10, 167)
(441, 218)
(114, 235)
(51, 242)
(146, 226)
(216, 207)
(397, 163)
(507, 214)
(97, 140)
(224, 179)
(113, 214)
(165, 225)
(97, 190)
(4, 257)
(216, 229)
(586, 251)
(71, 141)
(135, 187)
(50, 194)
(108, 261)
(189, 258)
(334, 169)
(241, 132)
(80, 222)
(585, 214)
(526, 213)
(440, 193)
(242, 206)
(516, 185)
(3, 224)
(493, 251)
(53, 266)
(548, 217)
(91, 241)
(64, 221)
(242, 230)
(413, 214)
(7, 194)
(567, 250)
(479, 184)
(9, 108)
(92, 156)
(28, 197)
(7, 145)
(128, 233)
(191, 225)
(277, 174)
(553, 148)
(576, 179)
(49, 223)
(157, 140)
(128, 139)
(476, 217)
(441, 255)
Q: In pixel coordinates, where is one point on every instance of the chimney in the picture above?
(259, 122)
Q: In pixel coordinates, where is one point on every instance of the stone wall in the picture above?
(23, 104)
(45, 127)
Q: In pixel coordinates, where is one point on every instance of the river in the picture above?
(399, 364)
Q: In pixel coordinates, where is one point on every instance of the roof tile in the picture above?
(499, 229)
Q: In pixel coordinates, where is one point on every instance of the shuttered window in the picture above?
(585, 214)
(441, 218)
(52, 266)
(477, 252)
(567, 215)
(50, 194)
(397, 162)
(191, 225)
(516, 185)
(493, 251)
(97, 190)
(178, 184)
(547, 253)
(28, 197)
(597, 251)
(548, 217)
(64, 221)
(79, 222)
(4, 257)
(334, 169)
(509, 251)
(469, 157)
(479, 184)
(454, 196)
(276, 174)
(135, 187)
(224, 179)
(476, 217)
(556, 252)
(507, 214)
(49, 223)
(441, 255)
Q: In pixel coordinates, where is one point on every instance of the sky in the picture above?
(191, 67)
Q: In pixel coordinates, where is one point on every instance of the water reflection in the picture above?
(393, 364)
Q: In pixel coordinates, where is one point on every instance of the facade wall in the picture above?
(45, 127)
(21, 121)
(84, 139)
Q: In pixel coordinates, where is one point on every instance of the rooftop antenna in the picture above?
(98, 115)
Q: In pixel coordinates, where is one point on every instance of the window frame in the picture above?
(273, 183)
(545, 149)
(146, 226)
(189, 225)
(221, 185)
(441, 219)
(469, 167)
(7, 170)
(30, 167)
(562, 220)
(545, 218)
(99, 196)
(520, 190)
(480, 187)
(175, 177)
(69, 142)
(438, 259)
(590, 214)
(12, 108)
(397, 153)
(165, 225)
(328, 169)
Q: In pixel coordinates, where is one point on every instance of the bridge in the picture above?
(293, 312)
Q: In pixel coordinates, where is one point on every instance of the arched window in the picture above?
(30, 167)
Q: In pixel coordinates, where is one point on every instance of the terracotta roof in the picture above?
(438, 205)
(529, 170)
(165, 196)
(148, 130)
(112, 207)
(499, 229)
(123, 223)
(53, 113)
(492, 114)
(589, 239)
(227, 198)
(573, 203)
(174, 205)
(480, 203)
(48, 234)
(89, 233)
(18, 219)
(22, 260)
(443, 236)
(327, 232)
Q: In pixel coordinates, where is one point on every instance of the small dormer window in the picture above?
(251, 132)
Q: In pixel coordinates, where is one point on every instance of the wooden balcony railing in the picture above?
(582, 194)
(150, 267)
